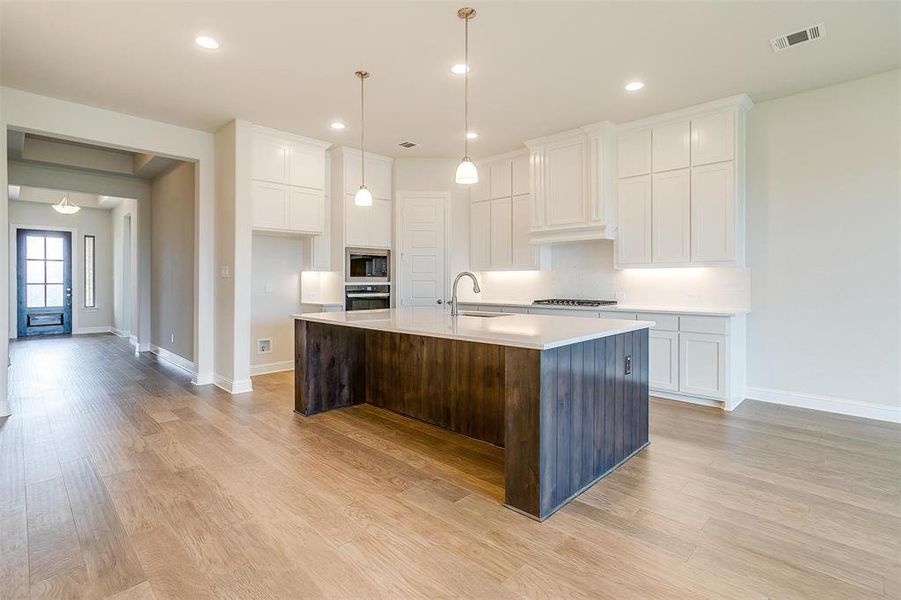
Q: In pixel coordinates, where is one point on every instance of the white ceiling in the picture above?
(538, 67)
(26, 193)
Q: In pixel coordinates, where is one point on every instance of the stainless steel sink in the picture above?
(484, 315)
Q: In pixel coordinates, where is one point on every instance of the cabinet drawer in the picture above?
(697, 324)
(664, 321)
(613, 314)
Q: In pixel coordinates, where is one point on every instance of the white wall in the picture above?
(276, 263)
(87, 221)
(823, 246)
(125, 267)
(172, 261)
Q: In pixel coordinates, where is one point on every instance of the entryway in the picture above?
(44, 280)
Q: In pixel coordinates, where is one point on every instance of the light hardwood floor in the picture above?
(120, 479)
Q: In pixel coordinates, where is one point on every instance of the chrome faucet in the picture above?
(475, 288)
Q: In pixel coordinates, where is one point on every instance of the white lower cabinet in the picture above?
(703, 365)
(663, 360)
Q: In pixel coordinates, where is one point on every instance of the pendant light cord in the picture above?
(362, 133)
(466, 88)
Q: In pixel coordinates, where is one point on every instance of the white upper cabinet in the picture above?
(525, 255)
(501, 233)
(480, 235)
(356, 222)
(566, 189)
(521, 175)
(634, 153)
(671, 146)
(634, 240)
(481, 190)
(713, 223)
(713, 138)
(360, 226)
(380, 224)
(671, 220)
(378, 174)
(501, 178)
(287, 182)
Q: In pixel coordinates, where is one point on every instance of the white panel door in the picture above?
(423, 251)
(634, 153)
(524, 253)
(703, 365)
(671, 144)
(713, 213)
(663, 360)
(634, 231)
(480, 236)
(501, 178)
(671, 216)
(269, 202)
(269, 159)
(712, 138)
(380, 223)
(521, 175)
(356, 222)
(566, 200)
(305, 210)
(501, 233)
(306, 167)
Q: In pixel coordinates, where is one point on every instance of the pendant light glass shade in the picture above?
(363, 197)
(66, 207)
(466, 172)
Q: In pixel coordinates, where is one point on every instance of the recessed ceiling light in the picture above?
(337, 125)
(459, 69)
(471, 135)
(205, 41)
(634, 86)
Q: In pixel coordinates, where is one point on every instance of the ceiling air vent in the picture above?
(407, 144)
(784, 42)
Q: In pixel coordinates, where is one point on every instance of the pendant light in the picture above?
(466, 170)
(363, 196)
(66, 207)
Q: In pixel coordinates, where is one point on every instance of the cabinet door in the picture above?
(671, 146)
(521, 175)
(380, 223)
(634, 153)
(712, 138)
(270, 159)
(713, 213)
(663, 360)
(703, 365)
(524, 253)
(501, 178)
(501, 233)
(634, 232)
(480, 235)
(305, 210)
(671, 216)
(566, 200)
(481, 190)
(306, 167)
(378, 175)
(269, 203)
(356, 222)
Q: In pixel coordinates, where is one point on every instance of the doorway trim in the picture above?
(402, 197)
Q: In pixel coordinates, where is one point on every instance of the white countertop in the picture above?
(538, 332)
(715, 311)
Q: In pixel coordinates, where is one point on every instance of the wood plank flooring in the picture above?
(118, 479)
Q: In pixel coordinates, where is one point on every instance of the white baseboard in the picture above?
(202, 379)
(90, 330)
(241, 386)
(273, 367)
(842, 406)
(173, 359)
(133, 340)
(120, 332)
(683, 398)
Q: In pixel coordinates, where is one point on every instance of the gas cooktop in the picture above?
(573, 302)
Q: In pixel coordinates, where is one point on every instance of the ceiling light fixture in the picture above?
(205, 41)
(467, 173)
(337, 125)
(634, 86)
(471, 135)
(363, 197)
(66, 207)
(460, 68)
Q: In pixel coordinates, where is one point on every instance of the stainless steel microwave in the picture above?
(368, 265)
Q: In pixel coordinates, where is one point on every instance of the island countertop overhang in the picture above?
(535, 332)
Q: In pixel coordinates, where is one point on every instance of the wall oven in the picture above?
(367, 297)
(368, 265)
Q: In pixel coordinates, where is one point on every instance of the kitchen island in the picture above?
(567, 398)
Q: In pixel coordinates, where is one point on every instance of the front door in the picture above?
(44, 275)
(423, 247)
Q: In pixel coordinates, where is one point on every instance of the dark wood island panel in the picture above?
(566, 416)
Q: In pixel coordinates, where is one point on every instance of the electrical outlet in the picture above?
(264, 346)
(171, 338)
(628, 364)
(223, 271)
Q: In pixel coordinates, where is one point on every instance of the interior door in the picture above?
(423, 276)
(44, 276)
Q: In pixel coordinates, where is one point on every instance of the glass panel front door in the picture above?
(45, 282)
